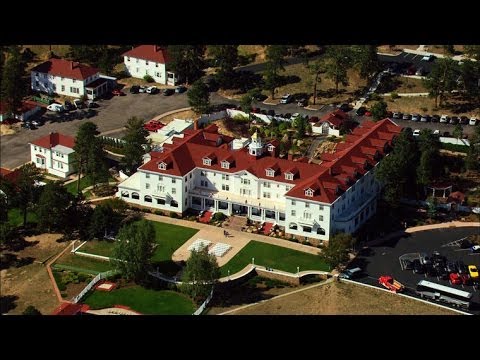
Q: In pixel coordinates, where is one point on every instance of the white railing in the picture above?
(204, 305)
(91, 284)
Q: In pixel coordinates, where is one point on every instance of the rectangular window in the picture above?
(147, 176)
(293, 202)
(157, 74)
(160, 188)
(160, 178)
(320, 207)
(35, 148)
(207, 161)
(307, 205)
(294, 213)
(190, 175)
(307, 215)
(225, 177)
(320, 217)
(246, 181)
(37, 83)
(225, 187)
(74, 81)
(174, 181)
(128, 58)
(174, 191)
(63, 87)
(185, 179)
(147, 186)
(54, 87)
(266, 184)
(266, 195)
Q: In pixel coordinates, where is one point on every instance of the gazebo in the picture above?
(443, 188)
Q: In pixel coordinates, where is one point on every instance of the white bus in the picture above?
(446, 294)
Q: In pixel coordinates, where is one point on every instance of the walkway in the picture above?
(236, 239)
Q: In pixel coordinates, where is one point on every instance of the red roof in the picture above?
(333, 175)
(149, 52)
(26, 106)
(70, 309)
(457, 197)
(66, 68)
(335, 118)
(54, 139)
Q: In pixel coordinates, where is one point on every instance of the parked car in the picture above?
(445, 119)
(475, 249)
(465, 244)
(152, 90)
(78, 103)
(397, 115)
(417, 267)
(135, 89)
(92, 104)
(473, 271)
(117, 92)
(455, 279)
(168, 92)
(462, 268)
(67, 105)
(302, 102)
(37, 122)
(472, 121)
(142, 89)
(180, 89)
(416, 132)
(436, 132)
(425, 118)
(428, 57)
(464, 120)
(435, 118)
(90, 113)
(454, 120)
(55, 107)
(451, 267)
(286, 99)
(406, 116)
(415, 117)
(345, 107)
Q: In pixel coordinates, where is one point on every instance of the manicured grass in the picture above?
(143, 300)
(97, 247)
(273, 256)
(169, 238)
(15, 217)
(84, 183)
(83, 264)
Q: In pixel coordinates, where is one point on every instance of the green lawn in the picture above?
(15, 217)
(169, 238)
(82, 264)
(99, 247)
(143, 300)
(273, 256)
(84, 183)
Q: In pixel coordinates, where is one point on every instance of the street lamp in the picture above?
(229, 275)
(253, 261)
(298, 269)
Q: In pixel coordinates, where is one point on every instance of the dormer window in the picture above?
(128, 58)
(207, 161)
(309, 192)
(225, 165)
(271, 148)
(162, 166)
(270, 172)
(288, 176)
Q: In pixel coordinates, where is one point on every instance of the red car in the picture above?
(455, 279)
(118, 92)
(368, 113)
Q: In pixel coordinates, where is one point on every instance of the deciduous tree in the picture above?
(52, 207)
(337, 250)
(12, 85)
(339, 61)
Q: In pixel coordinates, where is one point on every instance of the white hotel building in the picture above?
(203, 171)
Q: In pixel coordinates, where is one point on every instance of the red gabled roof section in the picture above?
(10, 175)
(54, 139)
(153, 53)
(27, 105)
(66, 68)
(335, 118)
(334, 175)
(70, 309)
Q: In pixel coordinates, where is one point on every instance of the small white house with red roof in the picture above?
(149, 60)
(65, 77)
(54, 153)
(330, 123)
(23, 113)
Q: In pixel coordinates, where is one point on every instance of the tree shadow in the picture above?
(8, 260)
(7, 303)
(389, 84)
(288, 79)
(167, 267)
(18, 244)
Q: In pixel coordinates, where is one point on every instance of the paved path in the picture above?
(50, 274)
(237, 239)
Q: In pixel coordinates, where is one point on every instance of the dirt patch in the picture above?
(30, 282)
(232, 127)
(342, 299)
(187, 114)
(7, 129)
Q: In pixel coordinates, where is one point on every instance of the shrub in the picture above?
(31, 310)
(158, 212)
(219, 216)
(394, 95)
(148, 78)
(173, 215)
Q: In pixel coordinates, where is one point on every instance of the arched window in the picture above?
(293, 226)
(320, 231)
(147, 198)
(125, 194)
(135, 195)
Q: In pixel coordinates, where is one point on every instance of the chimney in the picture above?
(71, 65)
(155, 48)
(195, 124)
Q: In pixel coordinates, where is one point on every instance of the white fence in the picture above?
(449, 140)
(204, 305)
(91, 284)
(100, 257)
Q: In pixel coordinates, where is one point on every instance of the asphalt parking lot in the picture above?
(384, 259)
(408, 59)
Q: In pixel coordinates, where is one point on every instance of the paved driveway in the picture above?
(384, 259)
(408, 58)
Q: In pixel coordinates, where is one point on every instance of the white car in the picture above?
(55, 107)
(416, 132)
(473, 121)
(436, 132)
(287, 98)
(428, 57)
(152, 90)
(444, 119)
